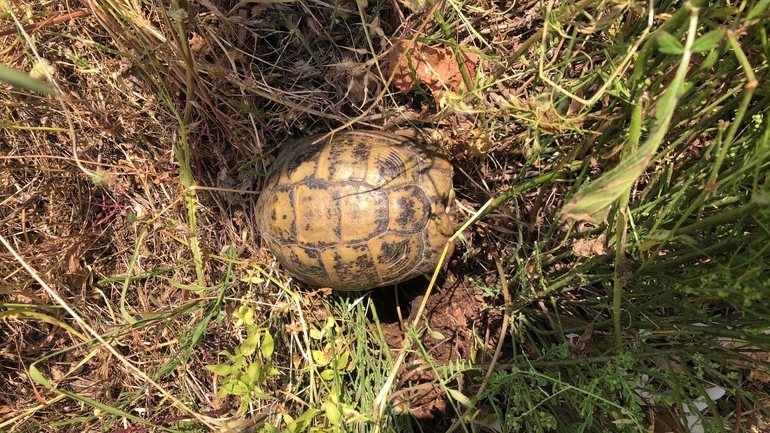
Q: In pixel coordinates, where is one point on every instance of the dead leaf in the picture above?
(591, 247)
(757, 370)
(435, 67)
(416, 5)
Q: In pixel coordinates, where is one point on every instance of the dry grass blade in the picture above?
(95, 335)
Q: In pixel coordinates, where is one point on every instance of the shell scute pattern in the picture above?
(410, 209)
(300, 164)
(395, 255)
(362, 206)
(360, 210)
(312, 267)
(282, 219)
(392, 167)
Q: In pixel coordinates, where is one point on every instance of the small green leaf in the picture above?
(460, 398)
(258, 394)
(234, 387)
(302, 422)
(327, 374)
(668, 44)
(228, 355)
(268, 345)
(342, 360)
(315, 334)
(709, 41)
(177, 14)
(253, 279)
(219, 369)
(245, 314)
(320, 358)
(35, 374)
(255, 371)
(436, 335)
(249, 345)
(24, 81)
(332, 413)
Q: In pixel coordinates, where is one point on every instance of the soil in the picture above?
(459, 322)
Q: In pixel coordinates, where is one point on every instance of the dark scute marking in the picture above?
(317, 184)
(392, 166)
(336, 224)
(361, 151)
(304, 152)
(382, 222)
(292, 202)
(272, 198)
(382, 211)
(339, 265)
(395, 253)
(407, 214)
(312, 253)
(343, 267)
(335, 153)
(364, 262)
(313, 273)
(274, 217)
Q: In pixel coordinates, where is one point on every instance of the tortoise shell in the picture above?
(357, 210)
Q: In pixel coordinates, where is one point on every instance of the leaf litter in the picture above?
(414, 63)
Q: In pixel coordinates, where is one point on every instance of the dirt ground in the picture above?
(458, 319)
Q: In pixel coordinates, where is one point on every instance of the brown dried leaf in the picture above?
(591, 247)
(757, 370)
(435, 67)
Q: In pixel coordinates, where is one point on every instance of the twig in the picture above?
(40, 24)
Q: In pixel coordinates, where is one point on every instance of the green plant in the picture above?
(249, 365)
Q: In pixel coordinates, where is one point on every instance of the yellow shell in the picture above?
(358, 210)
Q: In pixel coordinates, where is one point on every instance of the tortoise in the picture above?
(357, 210)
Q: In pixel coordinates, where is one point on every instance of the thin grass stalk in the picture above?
(38, 377)
(722, 145)
(182, 148)
(609, 81)
(623, 216)
(457, 53)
